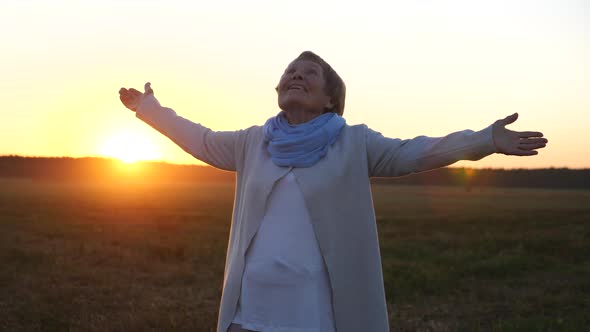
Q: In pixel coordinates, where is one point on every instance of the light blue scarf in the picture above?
(301, 145)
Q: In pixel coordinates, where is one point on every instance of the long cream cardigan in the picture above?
(337, 193)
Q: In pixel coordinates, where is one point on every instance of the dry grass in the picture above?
(128, 257)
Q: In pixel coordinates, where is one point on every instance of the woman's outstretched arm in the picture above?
(217, 148)
(395, 157)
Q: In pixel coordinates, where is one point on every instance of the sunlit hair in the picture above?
(335, 87)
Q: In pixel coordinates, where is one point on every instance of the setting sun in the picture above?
(129, 147)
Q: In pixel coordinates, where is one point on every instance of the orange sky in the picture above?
(411, 68)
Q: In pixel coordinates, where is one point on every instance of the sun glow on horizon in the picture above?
(129, 147)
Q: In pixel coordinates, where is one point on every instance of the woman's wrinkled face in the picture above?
(302, 87)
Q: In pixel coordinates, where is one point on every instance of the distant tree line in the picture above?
(112, 170)
(106, 170)
(470, 177)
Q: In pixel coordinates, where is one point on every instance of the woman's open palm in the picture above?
(131, 97)
(516, 143)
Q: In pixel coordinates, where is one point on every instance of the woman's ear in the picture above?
(329, 107)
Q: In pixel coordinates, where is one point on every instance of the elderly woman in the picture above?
(303, 253)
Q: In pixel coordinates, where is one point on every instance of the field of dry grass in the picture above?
(129, 257)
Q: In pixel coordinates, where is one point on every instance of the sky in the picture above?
(411, 68)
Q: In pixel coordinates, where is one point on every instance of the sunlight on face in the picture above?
(129, 147)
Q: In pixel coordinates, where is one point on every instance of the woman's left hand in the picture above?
(516, 143)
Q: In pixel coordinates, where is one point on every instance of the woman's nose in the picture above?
(296, 75)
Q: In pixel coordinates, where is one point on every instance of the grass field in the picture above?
(129, 257)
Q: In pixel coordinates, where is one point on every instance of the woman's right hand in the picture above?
(131, 97)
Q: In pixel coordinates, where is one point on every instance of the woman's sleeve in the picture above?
(396, 157)
(216, 148)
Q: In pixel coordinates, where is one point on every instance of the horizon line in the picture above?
(207, 165)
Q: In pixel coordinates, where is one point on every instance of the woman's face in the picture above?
(302, 88)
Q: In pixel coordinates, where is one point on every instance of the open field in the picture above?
(129, 257)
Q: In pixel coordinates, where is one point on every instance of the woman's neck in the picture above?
(299, 116)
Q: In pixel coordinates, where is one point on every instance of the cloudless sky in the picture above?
(411, 68)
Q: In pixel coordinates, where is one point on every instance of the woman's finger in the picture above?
(533, 141)
(509, 119)
(525, 134)
(531, 146)
(148, 88)
(135, 92)
(520, 152)
(128, 94)
(124, 95)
